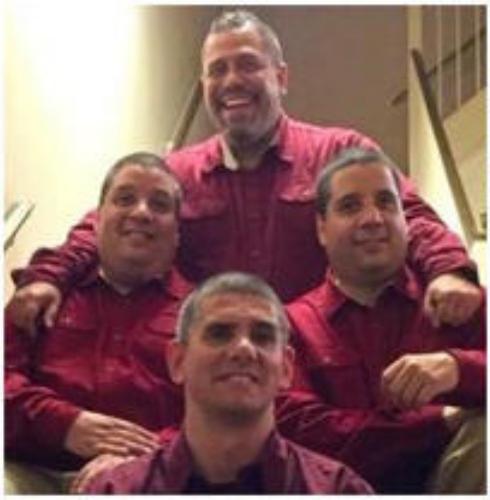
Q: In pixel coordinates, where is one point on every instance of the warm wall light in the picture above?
(77, 54)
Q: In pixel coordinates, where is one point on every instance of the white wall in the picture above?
(426, 164)
(85, 84)
(466, 130)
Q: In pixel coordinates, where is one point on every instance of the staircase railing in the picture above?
(451, 83)
(470, 226)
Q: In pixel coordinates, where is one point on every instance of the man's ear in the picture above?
(287, 368)
(175, 361)
(282, 72)
(320, 229)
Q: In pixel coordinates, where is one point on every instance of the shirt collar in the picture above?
(172, 283)
(180, 463)
(405, 284)
(220, 154)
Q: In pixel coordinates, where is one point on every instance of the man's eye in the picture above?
(216, 70)
(124, 199)
(162, 205)
(264, 335)
(249, 65)
(386, 200)
(217, 334)
(348, 206)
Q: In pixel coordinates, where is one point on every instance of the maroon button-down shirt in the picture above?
(282, 467)
(106, 353)
(342, 349)
(262, 220)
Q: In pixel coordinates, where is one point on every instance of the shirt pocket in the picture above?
(151, 346)
(341, 380)
(73, 337)
(207, 236)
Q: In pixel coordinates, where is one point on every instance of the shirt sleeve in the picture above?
(433, 249)
(351, 435)
(123, 479)
(471, 357)
(63, 265)
(35, 416)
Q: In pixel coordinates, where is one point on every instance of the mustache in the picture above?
(372, 234)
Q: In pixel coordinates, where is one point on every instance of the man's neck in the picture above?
(125, 283)
(220, 450)
(247, 153)
(365, 293)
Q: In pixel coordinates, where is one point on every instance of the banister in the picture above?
(468, 221)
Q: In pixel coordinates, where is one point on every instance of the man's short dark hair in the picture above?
(232, 282)
(231, 20)
(345, 158)
(147, 161)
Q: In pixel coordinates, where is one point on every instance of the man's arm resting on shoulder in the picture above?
(351, 435)
(452, 295)
(63, 265)
(50, 273)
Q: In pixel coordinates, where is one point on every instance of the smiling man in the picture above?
(398, 399)
(232, 358)
(249, 202)
(96, 382)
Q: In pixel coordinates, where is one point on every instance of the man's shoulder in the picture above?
(195, 157)
(128, 477)
(337, 136)
(325, 474)
(310, 301)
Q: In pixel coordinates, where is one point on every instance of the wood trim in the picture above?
(403, 95)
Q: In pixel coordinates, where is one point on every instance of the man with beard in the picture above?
(249, 202)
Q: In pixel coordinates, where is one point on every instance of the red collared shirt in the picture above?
(342, 349)
(262, 220)
(282, 467)
(106, 353)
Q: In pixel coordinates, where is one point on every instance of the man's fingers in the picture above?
(134, 429)
(430, 308)
(51, 312)
(92, 469)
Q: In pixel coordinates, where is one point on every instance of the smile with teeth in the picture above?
(137, 233)
(238, 377)
(236, 102)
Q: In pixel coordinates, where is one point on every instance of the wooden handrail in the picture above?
(470, 227)
(185, 119)
(402, 96)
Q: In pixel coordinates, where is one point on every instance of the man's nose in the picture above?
(232, 76)
(141, 209)
(243, 347)
(371, 215)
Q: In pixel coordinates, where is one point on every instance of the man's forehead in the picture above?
(133, 175)
(236, 305)
(240, 38)
(362, 177)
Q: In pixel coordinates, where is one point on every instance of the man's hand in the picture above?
(93, 468)
(451, 299)
(94, 434)
(414, 380)
(33, 300)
